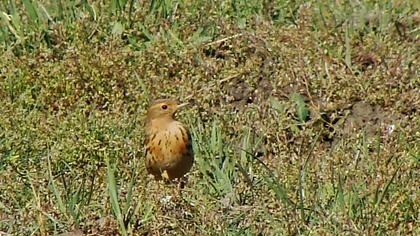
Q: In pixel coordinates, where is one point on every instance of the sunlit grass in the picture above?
(283, 139)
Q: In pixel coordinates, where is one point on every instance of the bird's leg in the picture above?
(181, 185)
(163, 198)
(165, 175)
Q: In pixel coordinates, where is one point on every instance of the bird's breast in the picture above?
(168, 145)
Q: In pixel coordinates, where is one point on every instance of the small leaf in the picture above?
(277, 105)
(117, 29)
(302, 110)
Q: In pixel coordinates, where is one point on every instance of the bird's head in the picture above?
(163, 108)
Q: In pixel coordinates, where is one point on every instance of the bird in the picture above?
(169, 154)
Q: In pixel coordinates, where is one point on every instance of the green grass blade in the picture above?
(113, 196)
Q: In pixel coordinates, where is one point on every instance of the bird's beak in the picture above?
(181, 105)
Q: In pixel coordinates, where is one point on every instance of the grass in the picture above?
(303, 115)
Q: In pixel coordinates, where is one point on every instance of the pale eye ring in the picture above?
(164, 107)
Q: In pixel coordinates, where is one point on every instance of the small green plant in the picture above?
(213, 159)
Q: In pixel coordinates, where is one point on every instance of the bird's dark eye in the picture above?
(164, 107)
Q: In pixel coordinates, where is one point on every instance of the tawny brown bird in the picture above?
(169, 153)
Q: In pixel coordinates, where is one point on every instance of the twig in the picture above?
(224, 39)
(230, 77)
